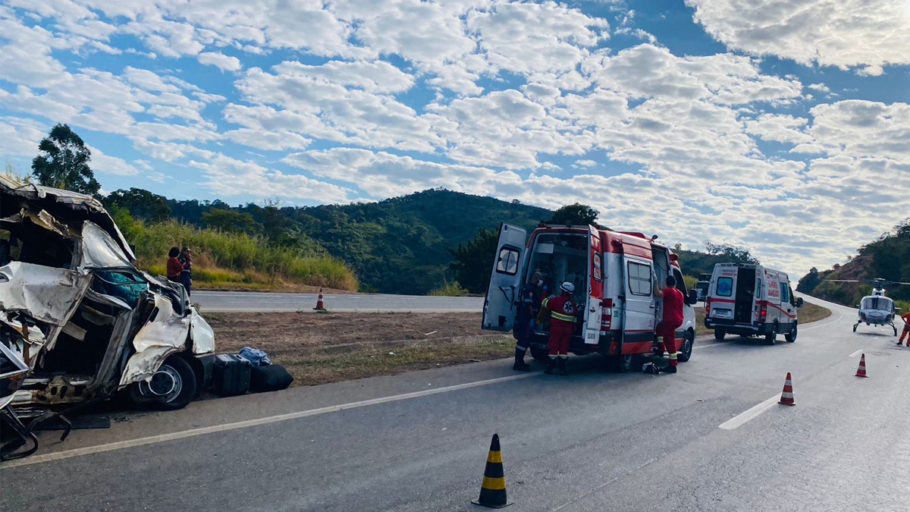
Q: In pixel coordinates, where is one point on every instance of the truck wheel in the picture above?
(685, 353)
(791, 336)
(719, 334)
(172, 387)
(540, 354)
(620, 363)
(771, 335)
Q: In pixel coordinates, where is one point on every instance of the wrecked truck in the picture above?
(76, 310)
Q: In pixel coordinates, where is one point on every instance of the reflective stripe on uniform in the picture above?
(560, 316)
(674, 355)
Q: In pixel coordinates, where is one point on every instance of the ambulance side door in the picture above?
(595, 291)
(505, 279)
(638, 289)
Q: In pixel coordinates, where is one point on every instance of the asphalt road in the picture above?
(589, 441)
(215, 301)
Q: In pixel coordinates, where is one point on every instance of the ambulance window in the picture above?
(724, 286)
(784, 293)
(639, 279)
(598, 272)
(680, 282)
(508, 261)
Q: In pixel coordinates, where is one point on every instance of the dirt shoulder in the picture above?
(331, 347)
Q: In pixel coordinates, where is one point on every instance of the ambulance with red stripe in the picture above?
(751, 300)
(613, 273)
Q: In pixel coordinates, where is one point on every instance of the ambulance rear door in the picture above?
(595, 291)
(499, 305)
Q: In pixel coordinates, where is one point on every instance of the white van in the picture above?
(613, 275)
(751, 300)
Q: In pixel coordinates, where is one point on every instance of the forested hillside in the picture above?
(888, 257)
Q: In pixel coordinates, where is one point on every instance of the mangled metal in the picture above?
(76, 310)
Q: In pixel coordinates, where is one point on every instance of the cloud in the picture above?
(863, 34)
(220, 61)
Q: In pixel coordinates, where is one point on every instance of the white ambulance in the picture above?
(613, 274)
(751, 300)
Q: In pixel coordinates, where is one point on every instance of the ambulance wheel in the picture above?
(685, 352)
(719, 334)
(620, 363)
(540, 354)
(771, 336)
(791, 336)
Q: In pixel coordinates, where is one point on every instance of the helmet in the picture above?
(567, 287)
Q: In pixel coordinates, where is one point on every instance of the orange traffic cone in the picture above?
(786, 397)
(493, 488)
(320, 305)
(861, 371)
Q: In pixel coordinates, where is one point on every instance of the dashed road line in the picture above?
(742, 418)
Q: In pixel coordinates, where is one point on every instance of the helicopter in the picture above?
(876, 309)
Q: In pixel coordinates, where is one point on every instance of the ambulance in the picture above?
(613, 273)
(751, 300)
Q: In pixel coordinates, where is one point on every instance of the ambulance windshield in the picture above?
(556, 258)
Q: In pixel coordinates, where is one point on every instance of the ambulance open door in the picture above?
(595, 289)
(499, 305)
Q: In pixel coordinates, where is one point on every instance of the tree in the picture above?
(473, 261)
(231, 221)
(140, 203)
(731, 253)
(574, 215)
(62, 162)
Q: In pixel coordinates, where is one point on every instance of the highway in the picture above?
(224, 301)
(709, 438)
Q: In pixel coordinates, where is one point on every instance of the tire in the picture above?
(540, 354)
(791, 336)
(620, 363)
(771, 336)
(685, 352)
(172, 387)
(719, 334)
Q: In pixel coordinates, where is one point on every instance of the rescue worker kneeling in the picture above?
(562, 311)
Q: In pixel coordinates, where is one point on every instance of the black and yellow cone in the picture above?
(493, 488)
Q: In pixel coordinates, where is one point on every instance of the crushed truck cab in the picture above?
(613, 274)
(77, 311)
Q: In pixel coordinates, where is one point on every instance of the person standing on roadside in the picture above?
(671, 320)
(521, 330)
(906, 318)
(186, 275)
(174, 267)
(562, 310)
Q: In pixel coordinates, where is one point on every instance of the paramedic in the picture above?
(521, 330)
(672, 318)
(562, 312)
(906, 318)
(174, 268)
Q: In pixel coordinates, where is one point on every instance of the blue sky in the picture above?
(780, 126)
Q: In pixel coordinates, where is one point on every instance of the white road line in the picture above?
(741, 419)
(173, 436)
(858, 352)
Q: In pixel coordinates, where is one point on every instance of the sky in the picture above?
(779, 126)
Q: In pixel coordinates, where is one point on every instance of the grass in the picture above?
(367, 361)
(233, 260)
(452, 289)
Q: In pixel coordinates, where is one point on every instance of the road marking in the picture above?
(858, 352)
(173, 436)
(741, 419)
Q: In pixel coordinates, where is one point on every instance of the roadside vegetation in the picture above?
(233, 260)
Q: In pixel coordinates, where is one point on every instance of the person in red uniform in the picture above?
(672, 319)
(562, 311)
(174, 267)
(906, 318)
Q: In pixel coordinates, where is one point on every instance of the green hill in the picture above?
(888, 257)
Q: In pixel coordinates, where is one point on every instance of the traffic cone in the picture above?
(320, 305)
(861, 371)
(786, 397)
(493, 488)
